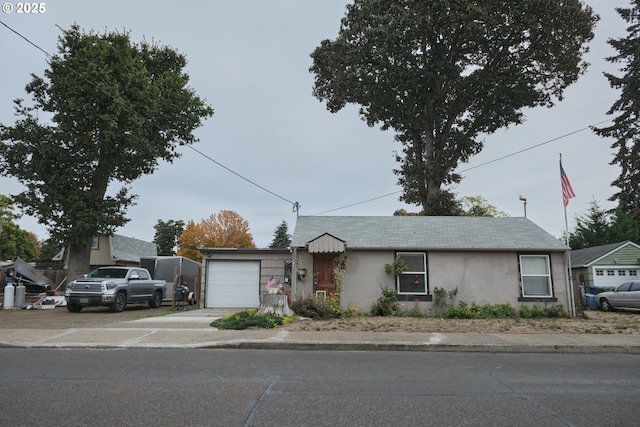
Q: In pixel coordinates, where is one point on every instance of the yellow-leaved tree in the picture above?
(225, 229)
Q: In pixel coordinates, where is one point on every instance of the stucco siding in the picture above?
(481, 277)
(560, 277)
(365, 278)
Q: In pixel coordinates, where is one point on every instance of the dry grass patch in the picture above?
(596, 322)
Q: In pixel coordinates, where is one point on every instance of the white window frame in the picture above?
(414, 273)
(523, 276)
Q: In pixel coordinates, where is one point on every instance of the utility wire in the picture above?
(535, 146)
(240, 176)
(295, 205)
(474, 167)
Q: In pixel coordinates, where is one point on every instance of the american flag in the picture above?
(567, 190)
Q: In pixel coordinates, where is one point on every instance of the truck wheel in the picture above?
(74, 308)
(119, 303)
(156, 301)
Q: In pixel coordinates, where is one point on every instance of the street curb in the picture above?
(451, 348)
(354, 346)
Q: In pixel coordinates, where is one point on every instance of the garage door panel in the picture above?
(614, 276)
(233, 284)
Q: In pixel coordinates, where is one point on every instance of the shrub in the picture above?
(533, 312)
(317, 308)
(387, 304)
(556, 311)
(246, 318)
(487, 311)
(443, 299)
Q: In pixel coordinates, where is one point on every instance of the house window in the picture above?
(622, 272)
(599, 272)
(535, 276)
(414, 279)
(94, 243)
(633, 272)
(611, 273)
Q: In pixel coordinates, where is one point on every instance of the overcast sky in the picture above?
(250, 60)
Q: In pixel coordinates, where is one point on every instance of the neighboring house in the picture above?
(489, 261)
(115, 250)
(606, 265)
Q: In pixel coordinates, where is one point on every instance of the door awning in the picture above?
(326, 244)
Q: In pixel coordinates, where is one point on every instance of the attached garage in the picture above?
(233, 284)
(234, 278)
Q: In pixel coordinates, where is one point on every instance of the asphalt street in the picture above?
(228, 387)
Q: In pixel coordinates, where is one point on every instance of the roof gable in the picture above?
(421, 232)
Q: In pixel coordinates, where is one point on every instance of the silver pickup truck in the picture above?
(114, 287)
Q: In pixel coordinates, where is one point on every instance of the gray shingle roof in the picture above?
(584, 257)
(427, 232)
(130, 249)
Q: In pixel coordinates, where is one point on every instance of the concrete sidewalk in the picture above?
(191, 329)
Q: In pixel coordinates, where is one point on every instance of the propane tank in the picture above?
(8, 296)
(21, 290)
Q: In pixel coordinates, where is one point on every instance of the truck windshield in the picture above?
(109, 273)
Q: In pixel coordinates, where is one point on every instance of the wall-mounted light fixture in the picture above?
(302, 274)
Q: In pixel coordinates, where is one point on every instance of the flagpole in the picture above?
(572, 308)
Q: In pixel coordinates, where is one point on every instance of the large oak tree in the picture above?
(106, 112)
(441, 73)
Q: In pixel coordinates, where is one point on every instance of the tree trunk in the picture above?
(79, 260)
(275, 303)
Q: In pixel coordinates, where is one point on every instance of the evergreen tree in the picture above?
(592, 228)
(624, 129)
(624, 227)
(281, 237)
(167, 235)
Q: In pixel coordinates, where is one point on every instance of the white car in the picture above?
(625, 296)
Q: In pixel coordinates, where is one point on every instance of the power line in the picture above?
(474, 167)
(535, 146)
(295, 205)
(241, 176)
(358, 203)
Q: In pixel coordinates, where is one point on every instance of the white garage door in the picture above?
(233, 284)
(614, 276)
